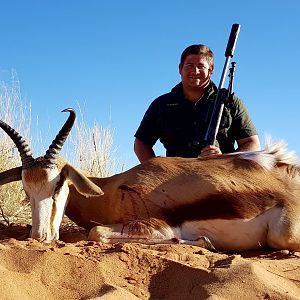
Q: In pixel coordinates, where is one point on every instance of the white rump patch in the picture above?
(280, 151)
(273, 154)
(266, 160)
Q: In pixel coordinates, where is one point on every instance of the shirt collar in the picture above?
(178, 90)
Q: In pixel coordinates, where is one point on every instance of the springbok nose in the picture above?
(42, 236)
(38, 236)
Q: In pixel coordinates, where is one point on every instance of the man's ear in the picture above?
(211, 71)
(180, 68)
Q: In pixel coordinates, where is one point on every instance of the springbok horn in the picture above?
(22, 146)
(11, 175)
(54, 149)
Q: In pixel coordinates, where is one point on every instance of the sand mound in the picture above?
(80, 269)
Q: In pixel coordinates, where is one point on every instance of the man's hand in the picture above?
(210, 151)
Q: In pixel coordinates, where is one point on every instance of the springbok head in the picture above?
(46, 181)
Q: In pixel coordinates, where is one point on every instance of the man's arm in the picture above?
(142, 150)
(250, 143)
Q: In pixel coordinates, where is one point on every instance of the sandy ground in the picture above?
(75, 268)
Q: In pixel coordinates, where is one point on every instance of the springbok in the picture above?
(239, 201)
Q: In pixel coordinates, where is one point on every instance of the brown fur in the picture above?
(35, 174)
(176, 189)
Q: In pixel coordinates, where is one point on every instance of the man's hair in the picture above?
(198, 50)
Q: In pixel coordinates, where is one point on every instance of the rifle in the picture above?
(222, 94)
(231, 79)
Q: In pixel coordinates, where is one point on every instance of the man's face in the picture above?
(195, 71)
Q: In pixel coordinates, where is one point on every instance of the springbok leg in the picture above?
(152, 231)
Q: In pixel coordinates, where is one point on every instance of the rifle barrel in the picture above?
(235, 30)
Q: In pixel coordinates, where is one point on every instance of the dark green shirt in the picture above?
(181, 125)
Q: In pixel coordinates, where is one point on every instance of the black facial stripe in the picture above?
(59, 184)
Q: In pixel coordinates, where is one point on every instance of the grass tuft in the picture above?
(13, 202)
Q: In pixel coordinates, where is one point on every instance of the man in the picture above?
(180, 118)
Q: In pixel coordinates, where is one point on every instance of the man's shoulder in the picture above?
(236, 98)
(171, 97)
(164, 97)
(235, 101)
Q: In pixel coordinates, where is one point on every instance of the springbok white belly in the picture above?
(235, 234)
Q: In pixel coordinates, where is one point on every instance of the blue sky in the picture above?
(114, 57)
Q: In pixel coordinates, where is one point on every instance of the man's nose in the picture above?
(196, 70)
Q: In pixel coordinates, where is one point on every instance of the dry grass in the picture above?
(13, 110)
(90, 149)
(95, 153)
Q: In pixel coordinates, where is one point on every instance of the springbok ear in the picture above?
(11, 175)
(82, 184)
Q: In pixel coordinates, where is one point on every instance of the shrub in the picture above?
(94, 152)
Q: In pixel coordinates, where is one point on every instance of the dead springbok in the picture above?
(236, 202)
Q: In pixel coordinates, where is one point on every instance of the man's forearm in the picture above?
(249, 144)
(143, 151)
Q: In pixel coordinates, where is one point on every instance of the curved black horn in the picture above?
(54, 149)
(22, 146)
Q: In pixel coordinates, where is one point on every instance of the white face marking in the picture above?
(47, 202)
